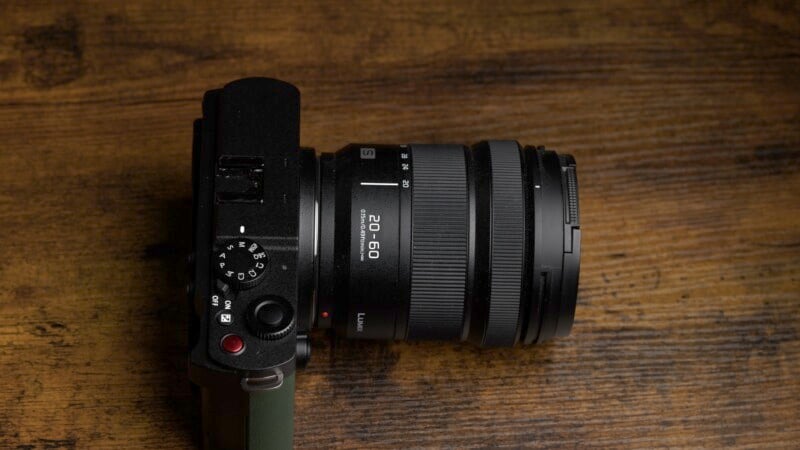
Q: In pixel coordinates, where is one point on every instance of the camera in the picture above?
(475, 243)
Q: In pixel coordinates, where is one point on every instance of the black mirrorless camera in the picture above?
(417, 241)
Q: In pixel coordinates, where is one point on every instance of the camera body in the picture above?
(418, 241)
(251, 262)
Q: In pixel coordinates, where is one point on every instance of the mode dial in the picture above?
(241, 263)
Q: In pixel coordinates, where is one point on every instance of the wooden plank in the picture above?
(683, 118)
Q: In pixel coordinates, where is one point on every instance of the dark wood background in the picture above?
(684, 117)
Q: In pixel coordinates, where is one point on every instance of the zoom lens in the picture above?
(447, 242)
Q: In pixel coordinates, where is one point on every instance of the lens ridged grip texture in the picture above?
(439, 240)
(508, 241)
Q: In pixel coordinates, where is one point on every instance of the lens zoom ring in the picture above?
(508, 241)
(439, 233)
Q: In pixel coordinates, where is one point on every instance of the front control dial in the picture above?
(241, 263)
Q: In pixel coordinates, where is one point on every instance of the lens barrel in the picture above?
(447, 242)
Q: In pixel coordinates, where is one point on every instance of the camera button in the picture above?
(232, 344)
(225, 318)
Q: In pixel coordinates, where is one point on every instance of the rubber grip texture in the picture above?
(439, 241)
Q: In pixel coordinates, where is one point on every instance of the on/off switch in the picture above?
(232, 344)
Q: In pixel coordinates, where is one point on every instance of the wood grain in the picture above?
(684, 117)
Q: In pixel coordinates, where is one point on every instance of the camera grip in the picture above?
(270, 422)
(240, 414)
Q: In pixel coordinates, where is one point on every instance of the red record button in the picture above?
(232, 344)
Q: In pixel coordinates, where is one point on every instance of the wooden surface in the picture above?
(684, 118)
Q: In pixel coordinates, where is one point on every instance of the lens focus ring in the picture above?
(507, 243)
(439, 236)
